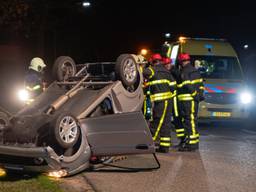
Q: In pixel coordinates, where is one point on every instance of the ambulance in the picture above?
(226, 94)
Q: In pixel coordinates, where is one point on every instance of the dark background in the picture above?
(50, 28)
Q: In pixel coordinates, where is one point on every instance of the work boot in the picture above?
(163, 150)
(188, 147)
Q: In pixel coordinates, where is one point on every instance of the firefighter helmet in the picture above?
(184, 57)
(166, 60)
(37, 64)
(156, 57)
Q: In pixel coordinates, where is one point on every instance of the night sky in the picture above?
(110, 27)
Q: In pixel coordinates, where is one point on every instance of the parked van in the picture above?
(226, 94)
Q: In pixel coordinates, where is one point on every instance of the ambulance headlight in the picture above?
(246, 98)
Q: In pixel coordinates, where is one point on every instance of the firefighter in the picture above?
(34, 78)
(175, 116)
(190, 93)
(162, 86)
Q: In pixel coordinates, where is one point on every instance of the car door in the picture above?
(124, 133)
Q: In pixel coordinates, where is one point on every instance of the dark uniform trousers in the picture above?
(162, 86)
(189, 93)
(178, 119)
(177, 113)
(189, 110)
(161, 126)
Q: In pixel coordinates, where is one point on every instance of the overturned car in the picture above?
(92, 110)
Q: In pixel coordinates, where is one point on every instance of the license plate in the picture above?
(221, 114)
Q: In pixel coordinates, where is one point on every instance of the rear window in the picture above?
(215, 67)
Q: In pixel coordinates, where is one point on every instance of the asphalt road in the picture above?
(226, 161)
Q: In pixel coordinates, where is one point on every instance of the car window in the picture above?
(216, 67)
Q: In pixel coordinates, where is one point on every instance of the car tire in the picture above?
(126, 69)
(66, 131)
(4, 119)
(64, 67)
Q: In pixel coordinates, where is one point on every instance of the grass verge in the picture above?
(28, 183)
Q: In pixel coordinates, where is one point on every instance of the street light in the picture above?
(144, 52)
(167, 35)
(182, 39)
(246, 46)
(86, 4)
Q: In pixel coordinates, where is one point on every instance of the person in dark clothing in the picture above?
(176, 112)
(34, 82)
(162, 86)
(190, 93)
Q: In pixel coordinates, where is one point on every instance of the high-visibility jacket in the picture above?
(33, 81)
(191, 86)
(161, 82)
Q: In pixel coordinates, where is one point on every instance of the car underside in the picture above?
(91, 112)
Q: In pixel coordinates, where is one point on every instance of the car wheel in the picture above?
(67, 131)
(126, 70)
(4, 119)
(64, 67)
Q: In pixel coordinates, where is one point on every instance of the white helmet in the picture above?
(37, 64)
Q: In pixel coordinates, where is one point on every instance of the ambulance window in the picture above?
(174, 53)
(215, 67)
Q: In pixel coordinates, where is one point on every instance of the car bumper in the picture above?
(217, 112)
(40, 159)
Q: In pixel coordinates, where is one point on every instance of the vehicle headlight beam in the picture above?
(246, 98)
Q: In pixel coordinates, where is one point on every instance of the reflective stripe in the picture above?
(184, 83)
(165, 144)
(145, 106)
(161, 96)
(192, 116)
(152, 72)
(197, 81)
(202, 88)
(194, 94)
(180, 130)
(180, 135)
(186, 97)
(175, 106)
(165, 139)
(196, 136)
(33, 88)
(189, 82)
(36, 87)
(161, 120)
(162, 81)
(194, 141)
(175, 93)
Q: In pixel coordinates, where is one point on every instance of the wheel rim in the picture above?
(68, 129)
(68, 70)
(130, 70)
